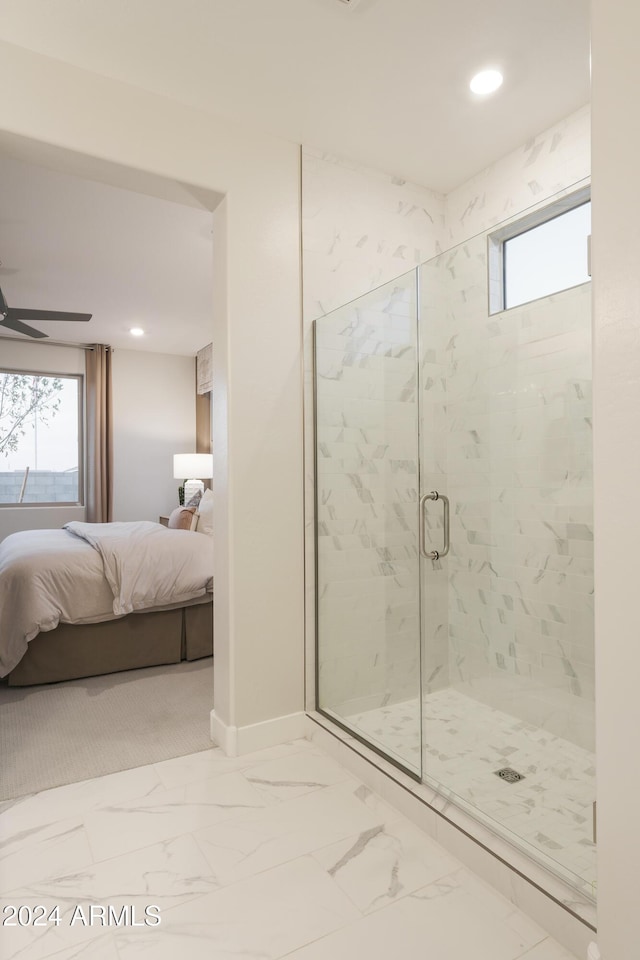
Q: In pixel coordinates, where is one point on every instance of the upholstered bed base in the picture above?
(72, 651)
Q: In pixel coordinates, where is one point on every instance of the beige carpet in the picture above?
(64, 732)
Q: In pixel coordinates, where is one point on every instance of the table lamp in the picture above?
(194, 465)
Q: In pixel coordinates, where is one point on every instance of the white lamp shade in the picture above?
(192, 466)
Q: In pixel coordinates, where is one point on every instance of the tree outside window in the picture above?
(39, 438)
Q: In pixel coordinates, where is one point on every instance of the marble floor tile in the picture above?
(33, 855)
(39, 942)
(384, 863)
(99, 948)
(76, 799)
(213, 763)
(547, 950)
(443, 920)
(295, 775)
(165, 874)
(283, 855)
(103, 948)
(266, 916)
(261, 839)
(133, 824)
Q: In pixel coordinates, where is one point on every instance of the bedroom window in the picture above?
(40, 438)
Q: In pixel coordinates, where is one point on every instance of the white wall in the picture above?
(154, 416)
(258, 524)
(39, 358)
(616, 255)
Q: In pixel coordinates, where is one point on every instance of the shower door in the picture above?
(367, 481)
(455, 547)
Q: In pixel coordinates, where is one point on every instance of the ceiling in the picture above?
(130, 259)
(384, 82)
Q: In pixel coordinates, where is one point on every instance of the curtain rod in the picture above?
(56, 343)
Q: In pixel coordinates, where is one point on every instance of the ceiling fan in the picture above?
(12, 318)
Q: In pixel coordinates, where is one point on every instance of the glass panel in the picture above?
(39, 438)
(368, 633)
(508, 614)
(547, 258)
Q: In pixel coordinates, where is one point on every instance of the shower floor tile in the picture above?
(466, 742)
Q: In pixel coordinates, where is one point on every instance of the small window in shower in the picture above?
(542, 254)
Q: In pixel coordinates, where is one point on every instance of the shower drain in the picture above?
(511, 776)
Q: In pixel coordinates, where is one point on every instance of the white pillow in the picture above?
(205, 513)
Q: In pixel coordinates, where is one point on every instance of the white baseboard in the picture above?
(236, 741)
(222, 735)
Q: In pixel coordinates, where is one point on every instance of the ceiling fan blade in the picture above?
(3, 303)
(22, 328)
(18, 314)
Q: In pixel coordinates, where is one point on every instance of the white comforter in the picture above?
(94, 571)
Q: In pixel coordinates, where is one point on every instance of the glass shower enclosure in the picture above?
(454, 546)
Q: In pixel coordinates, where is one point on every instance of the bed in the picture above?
(98, 598)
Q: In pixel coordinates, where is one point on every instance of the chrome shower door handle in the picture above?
(434, 554)
(446, 522)
(421, 522)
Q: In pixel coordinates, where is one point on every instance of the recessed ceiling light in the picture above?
(487, 81)
(136, 331)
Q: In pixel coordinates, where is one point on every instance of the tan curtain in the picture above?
(99, 419)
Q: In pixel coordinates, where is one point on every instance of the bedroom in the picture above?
(133, 253)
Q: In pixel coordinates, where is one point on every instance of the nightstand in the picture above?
(164, 521)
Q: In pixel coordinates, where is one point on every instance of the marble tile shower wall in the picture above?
(367, 465)
(518, 427)
(362, 228)
(544, 166)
